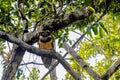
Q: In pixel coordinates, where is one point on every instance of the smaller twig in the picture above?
(27, 67)
(30, 63)
(81, 34)
(24, 19)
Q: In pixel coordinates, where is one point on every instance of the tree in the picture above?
(95, 21)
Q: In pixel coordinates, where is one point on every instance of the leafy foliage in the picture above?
(102, 37)
(105, 46)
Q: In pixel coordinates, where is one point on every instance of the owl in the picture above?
(46, 42)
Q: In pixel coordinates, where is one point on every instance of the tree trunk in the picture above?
(17, 55)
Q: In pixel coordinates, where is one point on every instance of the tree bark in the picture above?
(81, 62)
(14, 63)
(63, 21)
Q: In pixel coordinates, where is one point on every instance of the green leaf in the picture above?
(88, 2)
(103, 27)
(95, 28)
(100, 1)
(101, 33)
(92, 9)
(89, 31)
(70, 42)
(19, 73)
(68, 1)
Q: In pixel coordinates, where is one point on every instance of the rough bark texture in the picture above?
(64, 21)
(81, 62)
(14, 63)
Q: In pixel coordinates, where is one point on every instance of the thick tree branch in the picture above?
(58, 23)
(81, 62)
(24, 46)
(64, 21)
(113, 68)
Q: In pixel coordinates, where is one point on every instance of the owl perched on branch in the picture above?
(46, 42)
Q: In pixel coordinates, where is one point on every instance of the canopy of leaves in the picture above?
(102, 28)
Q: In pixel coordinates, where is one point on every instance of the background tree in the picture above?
(95, 22)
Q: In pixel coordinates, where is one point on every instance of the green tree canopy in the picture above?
(93, 54)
